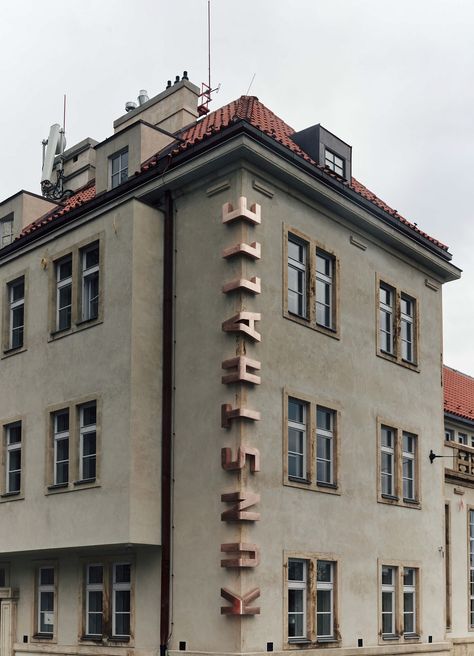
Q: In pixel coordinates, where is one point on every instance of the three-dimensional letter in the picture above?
(240, 605)
(238, 512)
(245, 555)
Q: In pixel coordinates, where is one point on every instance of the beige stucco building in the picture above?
(221, 382)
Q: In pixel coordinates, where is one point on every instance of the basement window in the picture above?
(334, 162)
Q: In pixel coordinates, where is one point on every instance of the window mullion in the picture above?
(312, 283)
(311, 600)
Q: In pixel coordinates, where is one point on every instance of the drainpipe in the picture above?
(166, 421)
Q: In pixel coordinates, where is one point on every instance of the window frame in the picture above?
(60, 284)
(330, 162)
(75, 482)
(470, 569)
(77, 321)
(399, 588)
(310, 481)
(38, 635)
(108, 587)
(86, 275)
(310, 588)
(5, 493)
(7, 220)
(313, 248)
(8, 348)
(398, 295)
(111, 159)
(397, 498)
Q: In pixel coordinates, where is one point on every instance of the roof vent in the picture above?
(130, 106)
(142, 96)
(326, 149)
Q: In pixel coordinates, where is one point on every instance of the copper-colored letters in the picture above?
(242, 364)
(243, 322)
(240, 605)
(243, 452)
(241, 213)
(245, 555)
(238, 512)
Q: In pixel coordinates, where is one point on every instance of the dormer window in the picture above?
(118, 168)
(334, 162)
(6, 230)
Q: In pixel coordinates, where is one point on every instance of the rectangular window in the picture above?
(13, 458)
(325, 599)
(61, 447)
(324, 289)
(16, 297)
(324, 445)
(88, 442)
(64, 293)
(462, 438)
(297, 436)
(297, 598)
(108, 590)
(449, 435)
(398, 466)
(6, 230)
(399, 585)
(95, 600)
(334, 162)
(388, 601)
(4, 575)
(90, 282)
(46, 601)
(409, 601)
(397, 324)
(297, 276)
(118, 168)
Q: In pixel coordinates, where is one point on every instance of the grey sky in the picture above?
(392, 78)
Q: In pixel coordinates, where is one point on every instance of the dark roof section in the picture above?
(458, 393)
(251, 110)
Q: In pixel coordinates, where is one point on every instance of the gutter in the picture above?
(166, 421)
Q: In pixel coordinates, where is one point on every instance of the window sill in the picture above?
(389, 497)
(119, 639)
(411, 636)
(55, 335)
(390, 638)
(329, 486)
(306, 484)
(326, 641)
(11, 496)
(330, 332)
(85, 481)
(413, 366)
(43, 636)
(297, 479)
(7, 353)
(299, 641)
(411, 502)
(57, 486)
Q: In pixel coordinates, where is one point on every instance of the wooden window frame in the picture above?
(397, 498)
(311, 639)
(310, 481)
(312, 246)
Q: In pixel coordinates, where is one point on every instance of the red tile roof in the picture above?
(250, 109)
(458, 393)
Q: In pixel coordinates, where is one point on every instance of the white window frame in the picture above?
(6, 230)
(325, 434)
(303, 586)
(302, 428)
(302, 268)
(409, 459)
(10, 449)
(84, 430)
(326, 281)
(14, 305)
(62, 283)
(409, 589)
(449, 434)
(47, 588)
(94, 587)
(389, 451)
(59, 436)
(334, 162)
(118, 177)
(88, 274)
(471, 567)
(325, 586)
(407, 328)
(387, 311)
(389, 589)
(119, 587)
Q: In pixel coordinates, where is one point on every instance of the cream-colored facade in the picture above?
(161, 315)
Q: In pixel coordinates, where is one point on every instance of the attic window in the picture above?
(118, 168)
(334, 162)
(6, 230)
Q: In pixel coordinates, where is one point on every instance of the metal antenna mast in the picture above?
(206, 88)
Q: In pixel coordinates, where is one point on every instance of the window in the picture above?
(6, 230)
(46, 601)
(297, 276)
(398, 466)
(4, 575)
(88, 442)
(334, 162)
(64, 293)
(462, 438)
(61, 447)
(454, 436)
(118, 168)
(108, 614)
(311, 619)
(16, 313)
(310, 445)
(76, 288)
(399, 602)
(397, 325)
(449, 435)
(73, 450)
(310, 284)
(13, 458)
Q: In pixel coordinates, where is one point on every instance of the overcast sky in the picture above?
(394, 78)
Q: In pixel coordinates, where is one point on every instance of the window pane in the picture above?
(122, 573)
(296, 570)
(47, 576)
(324, 571)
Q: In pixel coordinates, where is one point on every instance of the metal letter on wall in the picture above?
(240, 605)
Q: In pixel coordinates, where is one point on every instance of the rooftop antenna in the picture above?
(251, 82)
(53, 160)
(206, 88)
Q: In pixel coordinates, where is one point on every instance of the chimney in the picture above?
(171, 110)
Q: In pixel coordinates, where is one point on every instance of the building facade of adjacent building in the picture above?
(221, 384)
